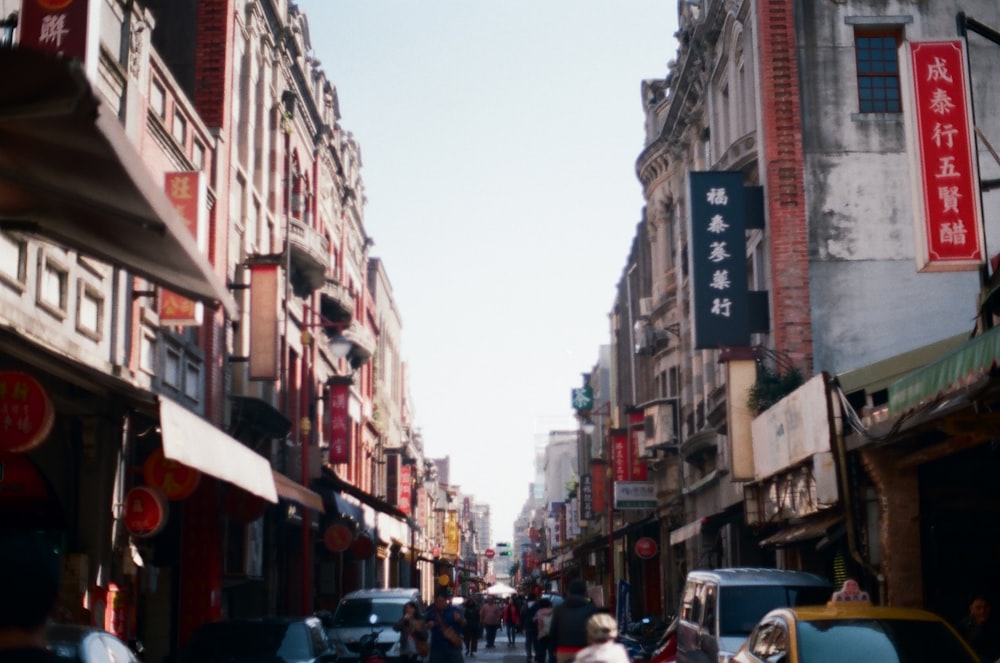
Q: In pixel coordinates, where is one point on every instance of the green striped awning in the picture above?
(955, 370)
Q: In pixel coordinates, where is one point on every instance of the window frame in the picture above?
(884, 104)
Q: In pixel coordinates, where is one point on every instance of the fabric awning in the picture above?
(813, 528)
(69, 172)
(189, 439)
(685, 532)
(294, 491)
(345, 508)
(954, 371)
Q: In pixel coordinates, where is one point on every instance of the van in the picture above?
(353, 619)
(720, 607)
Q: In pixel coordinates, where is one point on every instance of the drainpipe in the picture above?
(846, 495)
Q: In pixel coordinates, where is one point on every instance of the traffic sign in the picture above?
(489, 553)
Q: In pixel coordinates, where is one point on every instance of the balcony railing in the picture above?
(310, 257)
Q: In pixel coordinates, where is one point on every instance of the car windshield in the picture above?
(355, 612)
(878, 641)
(742, 607)
(223, 640)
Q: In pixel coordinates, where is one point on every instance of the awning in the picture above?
(189, 439)
(814, 528)
(69, 172)
(685, 532)
(345, 508)
(956, 370)
(295, 492)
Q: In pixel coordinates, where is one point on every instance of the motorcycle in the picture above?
(369, 649)
(664, 650)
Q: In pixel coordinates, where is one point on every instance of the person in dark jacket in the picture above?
(29, 587)
(472, 627)
(527, 621)
(568, 633)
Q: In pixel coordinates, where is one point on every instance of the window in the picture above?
(158, 100)
(147, 352)
(53, 281)
(89, 311)
(180, 128)
(13, 260)
(878, 72)
(198, 155)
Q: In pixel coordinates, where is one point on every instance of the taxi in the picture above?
(850, 628)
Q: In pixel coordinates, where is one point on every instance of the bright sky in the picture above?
(499, 142)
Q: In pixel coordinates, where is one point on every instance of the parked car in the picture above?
(270, 639)
(853, 631)
(87, 644)
(720, 607)
(352, 620)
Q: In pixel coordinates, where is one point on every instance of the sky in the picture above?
(498, 144)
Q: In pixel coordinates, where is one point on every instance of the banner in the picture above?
(405, 488)
(188, 192)
(587, 506)
(947, 214)
(339, 431)
(264, 353)
(717, 214)
(638, 470)
(620, 458)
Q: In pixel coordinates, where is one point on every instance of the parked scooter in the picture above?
(369, 650)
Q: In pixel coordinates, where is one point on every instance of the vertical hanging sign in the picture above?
(621, 459)
(717, 214)
(264, 300)
(62, 27)
(948, 219)
(637, 443)
(405, 488)
(340, 422)
(188, 192)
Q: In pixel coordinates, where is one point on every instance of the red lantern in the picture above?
(26, 413)
(145, 512)
(176, 480)
(338, 536)
(645, 548)
(241, 506)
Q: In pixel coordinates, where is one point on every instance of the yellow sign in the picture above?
(443, 579)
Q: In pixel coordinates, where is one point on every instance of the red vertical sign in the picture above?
(948, 214)
(56, 26)
(599, 474)
(339, 422)
(188, 193)
(405, 488)
(637, 440)
(621, 460)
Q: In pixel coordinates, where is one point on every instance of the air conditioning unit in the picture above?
(645, 306)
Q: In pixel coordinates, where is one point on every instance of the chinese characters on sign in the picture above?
(586, 497)
(717, 210)
(56, 26)
(948, 216)
(340, 422)
(26, 413)
(188, 192)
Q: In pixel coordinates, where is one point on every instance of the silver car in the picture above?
(353, 619)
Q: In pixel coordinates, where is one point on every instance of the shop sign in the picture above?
(175, 480)
(635, 495)
(339, 421)
(620, 457)
(405, 488)
(645, 548)
(56, 26)
(587, 497)
(583, 399)
(188, 192)
(145, 512)
(26, 413)
(718, 259)
(948, 218)
(338, 536)
(264, 357)
(638, 470)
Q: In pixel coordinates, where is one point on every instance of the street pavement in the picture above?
(501, 653)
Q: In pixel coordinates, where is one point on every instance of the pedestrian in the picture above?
(491, 615)
(413, 635)
(511, 619)
(528, 625)
(980, 628)
(444, 622)
(543, 625)
(472, 627)
(29, 587)
(602, 629)
(569, 622)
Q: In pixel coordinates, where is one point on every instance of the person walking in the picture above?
(569, 623)
(29, 578)
(413, 634)
(543, 626)
(472, 627)
(528, 627)
(444, 622)
(980, 629)
(490, 615)
(511, 620)
(602, 629)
